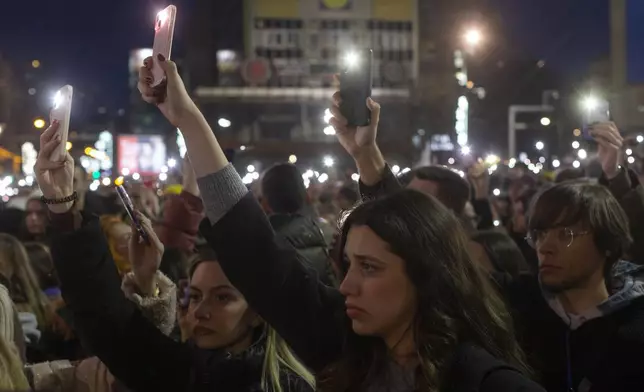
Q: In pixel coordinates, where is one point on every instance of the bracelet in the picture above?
(72, 197)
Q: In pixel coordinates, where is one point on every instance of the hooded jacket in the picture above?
(306, 236)
(598, 350)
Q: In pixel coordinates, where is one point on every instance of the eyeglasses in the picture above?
(564, 235)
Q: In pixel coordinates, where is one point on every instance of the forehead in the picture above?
(424, 186)
(209, 274)
(34, 205)
(363, 240)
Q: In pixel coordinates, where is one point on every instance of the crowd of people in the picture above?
(420, 282)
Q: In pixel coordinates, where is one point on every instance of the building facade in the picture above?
(627, 64)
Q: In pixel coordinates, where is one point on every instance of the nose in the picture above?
(202, 311)
(547, 244)
(350, 286)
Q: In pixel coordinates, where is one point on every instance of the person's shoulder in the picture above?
(475, 369)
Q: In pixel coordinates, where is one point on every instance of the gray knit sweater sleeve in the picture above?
(221, 191)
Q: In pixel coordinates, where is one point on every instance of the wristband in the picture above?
(72, 197)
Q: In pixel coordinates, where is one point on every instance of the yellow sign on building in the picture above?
(398, 10)
(286, 9)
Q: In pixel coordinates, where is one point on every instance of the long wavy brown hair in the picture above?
(456, 302)
(25, 291)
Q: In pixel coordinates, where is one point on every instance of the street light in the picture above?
(224, 122)
(545, 121)
(539, 146)
(39, 123)
(575, 144)
(582, 154)
(329, 161)
(473, 37)
(556, 163)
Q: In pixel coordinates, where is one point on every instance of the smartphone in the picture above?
(62, 111)
(356, 80)
(596, 111)
(129, 207)
(163, 33)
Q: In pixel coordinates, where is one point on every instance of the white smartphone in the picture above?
(163, 33)
(62, 112)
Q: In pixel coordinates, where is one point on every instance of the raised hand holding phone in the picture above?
(163, 35)
(61, 113)
(171, 96)
(145, 255)
(596, 111)
(55, 177)
(355, 87)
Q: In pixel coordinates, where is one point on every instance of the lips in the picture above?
(548, 267)
(202, 331)
(355, 311)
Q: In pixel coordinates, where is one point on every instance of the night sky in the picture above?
(82, 45)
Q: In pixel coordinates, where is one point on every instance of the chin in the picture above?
(553, 285)
(360, 328)
(207, 342)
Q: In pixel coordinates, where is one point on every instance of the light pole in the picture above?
(471, 39)
(513, 126)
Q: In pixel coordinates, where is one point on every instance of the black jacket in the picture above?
(306, 236)
(133, 349)
(602, 355)
(307, 314)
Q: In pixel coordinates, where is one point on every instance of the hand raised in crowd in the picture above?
(609, 147)
(355, 139)
(170, 96)
(55, 178)
(145, 256)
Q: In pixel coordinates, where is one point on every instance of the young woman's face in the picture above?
(36, 219)
(218, 313)
(380, 298)
(121, 233)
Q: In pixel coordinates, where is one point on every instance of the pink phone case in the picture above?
(62, 111)
(163, 33)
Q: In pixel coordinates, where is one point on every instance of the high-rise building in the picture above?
(627, 64)
(276, 87)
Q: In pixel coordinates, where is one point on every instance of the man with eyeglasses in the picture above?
(582, 323)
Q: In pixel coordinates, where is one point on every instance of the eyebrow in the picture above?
(362, 257)
(221, 286)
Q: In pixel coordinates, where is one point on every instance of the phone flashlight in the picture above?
(162, 17)
(58, 99)
(351, 59)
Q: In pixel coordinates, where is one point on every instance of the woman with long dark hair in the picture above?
(413, 312)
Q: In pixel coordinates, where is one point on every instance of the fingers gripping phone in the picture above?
(129, 207)
(61, 112)
(355, 87)
(163, 33)
(595, 111)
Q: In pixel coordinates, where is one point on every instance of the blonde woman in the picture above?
(25, 290)
(12, 377)
(231, 349)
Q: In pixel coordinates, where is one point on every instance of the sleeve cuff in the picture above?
(371, 192)
(620, 185)
(66, 222)
(221, 191)
(160, 310)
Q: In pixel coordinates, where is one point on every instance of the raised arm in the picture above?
(376, 179)
(267, 271)
(109, 325)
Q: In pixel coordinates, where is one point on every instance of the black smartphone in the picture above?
(129, 207)
(596, 111)
(355, 87)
